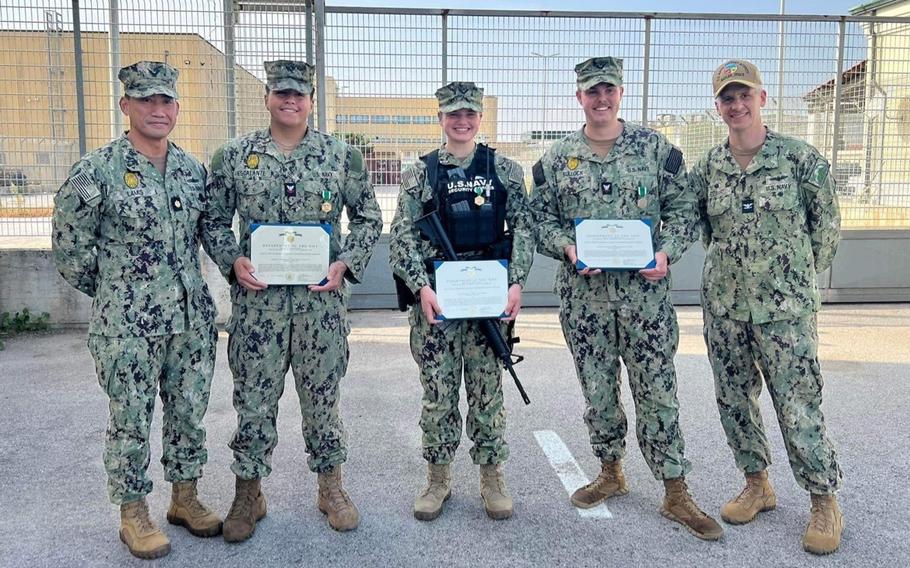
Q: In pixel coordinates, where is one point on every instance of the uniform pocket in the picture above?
(719, 203)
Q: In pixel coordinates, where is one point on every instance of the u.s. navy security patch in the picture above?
(85, 187)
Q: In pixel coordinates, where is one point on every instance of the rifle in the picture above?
(432, 228)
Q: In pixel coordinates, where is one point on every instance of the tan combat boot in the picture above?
(493, 491)
(678, 506)
(428, 504)
(186, 510)
(755, 498)
(825, 526)
(609, 482)
(140, 534)
(335, 503)
(248, 508)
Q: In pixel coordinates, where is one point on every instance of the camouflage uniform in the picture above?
(619, 314)
(284, 326)
(442, 351)
(129, 238)
(768, 230)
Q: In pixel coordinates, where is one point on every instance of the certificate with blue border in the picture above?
(614, 244)
(290, 254)
(472, 289)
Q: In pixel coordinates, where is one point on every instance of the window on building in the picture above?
(401, 119)
(341, 118)
(380, 119)
(359, 119)
(425, 120)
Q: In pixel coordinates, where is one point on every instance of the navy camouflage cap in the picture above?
(284, 75)
(458, 95)
(147, 78)
(596, 70)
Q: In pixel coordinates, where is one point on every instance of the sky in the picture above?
(832, 7)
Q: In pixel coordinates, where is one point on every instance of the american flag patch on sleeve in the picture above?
(85, 186)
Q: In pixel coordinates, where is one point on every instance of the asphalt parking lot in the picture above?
(55, 510)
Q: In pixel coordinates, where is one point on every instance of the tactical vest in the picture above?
(471, 204)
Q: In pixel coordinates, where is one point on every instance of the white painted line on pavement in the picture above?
(568, 470)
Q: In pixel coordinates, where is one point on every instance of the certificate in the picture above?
(290, 254)
(472, 289)
(614, 244)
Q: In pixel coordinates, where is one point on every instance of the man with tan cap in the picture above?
(770, 223)
(610, 169)
(477, 193)
(127, 230)
(290, 174)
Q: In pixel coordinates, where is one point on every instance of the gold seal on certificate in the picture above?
(290, 254)
(614, 244)
(472, 289)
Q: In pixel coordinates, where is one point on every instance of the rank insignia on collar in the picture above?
(252, 161)
(572, 163)
(131, 179)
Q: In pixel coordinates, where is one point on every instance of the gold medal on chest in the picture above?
(326, 207)
(131, 179)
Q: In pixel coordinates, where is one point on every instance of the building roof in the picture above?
(851, 75)
(867, 7)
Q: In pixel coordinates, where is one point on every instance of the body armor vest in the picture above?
(471, 204)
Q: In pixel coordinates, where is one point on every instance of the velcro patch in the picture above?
(516, 176)
(537, 172)
(85, 187)
(674, 160)
(819, 173)
(409, 179)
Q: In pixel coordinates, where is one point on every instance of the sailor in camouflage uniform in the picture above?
(611, 169)
(770, 224)
(476, 190)
(126, 231)
(289, 173)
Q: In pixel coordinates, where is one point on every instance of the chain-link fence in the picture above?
(841, 83)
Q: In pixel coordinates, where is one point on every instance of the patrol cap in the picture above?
(598, 70)
(283, 74)
(736, 71)
(147, 78)
(458, 95)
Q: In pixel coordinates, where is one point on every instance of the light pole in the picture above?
(546, 70)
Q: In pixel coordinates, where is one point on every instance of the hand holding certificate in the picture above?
(290, 254)
(614, 244)
(469, 289)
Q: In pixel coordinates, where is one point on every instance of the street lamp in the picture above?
(546, 69)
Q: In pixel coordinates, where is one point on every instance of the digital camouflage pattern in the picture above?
(459, 95)
(596, 70)
(147, 78)
(129, 238)
(785, 353)
(620, 315)
(442, 351)
(290, 75)
(131, 371)
(769, 231)
(284, 326)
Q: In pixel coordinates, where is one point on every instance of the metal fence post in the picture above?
(308, 37)
(321, 109)
(445, 56)
(838, 84)
(80, 80)
(114, 41)
(230, 62)
(646, 72)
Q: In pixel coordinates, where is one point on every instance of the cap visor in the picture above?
(720, 89)
(138, 93)
(452, 107)
(593, 81)
(292, 85)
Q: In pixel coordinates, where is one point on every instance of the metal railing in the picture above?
(840, 82)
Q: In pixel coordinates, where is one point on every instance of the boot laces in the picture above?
(143, 519)
(192, 503)
(606, 476)
(243, 503)
(336, 495)
(820, 518)
(684, 498)
(745, 495)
